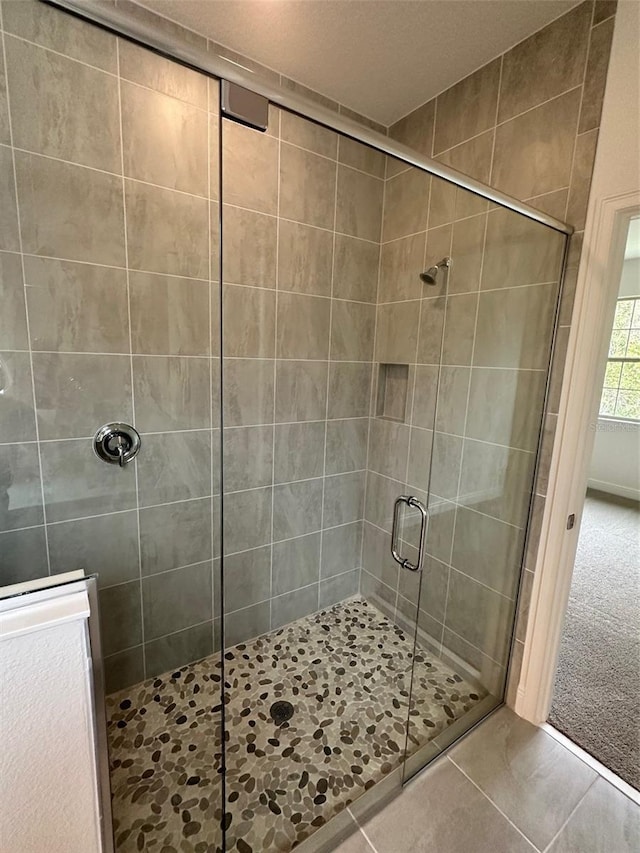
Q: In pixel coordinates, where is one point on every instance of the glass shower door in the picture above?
(487, 394)
(317, 671)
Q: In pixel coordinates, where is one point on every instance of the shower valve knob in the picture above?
(116, 443)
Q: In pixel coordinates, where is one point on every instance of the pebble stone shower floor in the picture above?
(346, 670)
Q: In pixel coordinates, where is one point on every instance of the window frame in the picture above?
(622, 360)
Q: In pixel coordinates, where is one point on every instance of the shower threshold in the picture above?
(347, 673)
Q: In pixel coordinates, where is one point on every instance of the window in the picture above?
(621, 389)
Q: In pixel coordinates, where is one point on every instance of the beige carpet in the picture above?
(597, 693)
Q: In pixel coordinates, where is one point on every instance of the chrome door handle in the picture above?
(413, 502)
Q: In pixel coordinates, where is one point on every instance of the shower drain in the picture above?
(281, 712)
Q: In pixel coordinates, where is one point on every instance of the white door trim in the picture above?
(596, 293)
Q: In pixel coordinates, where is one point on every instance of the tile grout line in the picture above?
(496, 807)
(275, 363)
(24, 296)
(131, 372)
(212, 355)
(328, 380)
(361, 829)
(373, 379)
(573, 811)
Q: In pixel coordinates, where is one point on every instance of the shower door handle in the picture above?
(414, 503)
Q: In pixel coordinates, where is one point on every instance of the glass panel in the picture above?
(484, 380)
(318, 673)
(114, 253)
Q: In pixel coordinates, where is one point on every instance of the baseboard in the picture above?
(614, 489)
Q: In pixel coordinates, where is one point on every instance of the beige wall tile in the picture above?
(302, 326)
(160, 74)
(505, 406)
(175, 466)
(343, 498)
(401, 262)
(70, 212)
(583, 161)
(406, 204)
(63, 33)
(355, 269)
(167, 231)
(5, 138)
(18, 420)
(299, 451)
(349, 390)
(388, 448)
(308, 135)
(248, 391)
(247, 457)
(467, 249)
(431, 327)
(13, 321)
(514, 327)
(359, 204)
(528, 161)
(459, 329)
(352, 331)
(416, 129)
(169, 316)
(397, 332)
(164, 140)
(171, 393)
(519, 251)
(249, 247)
(76, 394)
(546, 64)
(76, 307)
(353, 153)
(307, 187)
(76, 483)
(596, 75)
(346, 445)
(249, 168)
(468, 108)
(249, 322)
(304, 258)
(63, 108)
(497, 481)
(301, 391)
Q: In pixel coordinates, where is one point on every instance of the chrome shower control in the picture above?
(116, 443)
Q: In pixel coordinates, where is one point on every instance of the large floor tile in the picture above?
(604, 822)
(443, 811)
(530, 777)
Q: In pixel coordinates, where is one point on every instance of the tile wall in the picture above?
(470, 440)
(109, 268)
(527, 123)
(301, 228)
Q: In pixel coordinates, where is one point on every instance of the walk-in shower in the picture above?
(250, 306)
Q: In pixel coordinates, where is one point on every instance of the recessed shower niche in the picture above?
(393, 396)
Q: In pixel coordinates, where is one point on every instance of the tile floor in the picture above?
(347, 673)
(508, 787)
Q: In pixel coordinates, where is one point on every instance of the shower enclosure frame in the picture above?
(124, 23)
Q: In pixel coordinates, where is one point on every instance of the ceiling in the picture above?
(382, 58)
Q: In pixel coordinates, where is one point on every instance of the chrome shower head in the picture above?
(429, 276)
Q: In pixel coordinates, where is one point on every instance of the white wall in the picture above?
(615, 460)
(48, 783)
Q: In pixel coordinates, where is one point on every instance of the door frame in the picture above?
(594, 307)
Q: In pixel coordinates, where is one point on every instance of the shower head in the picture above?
(429, 276)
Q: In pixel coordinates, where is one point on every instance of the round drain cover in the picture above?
(281, 712)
